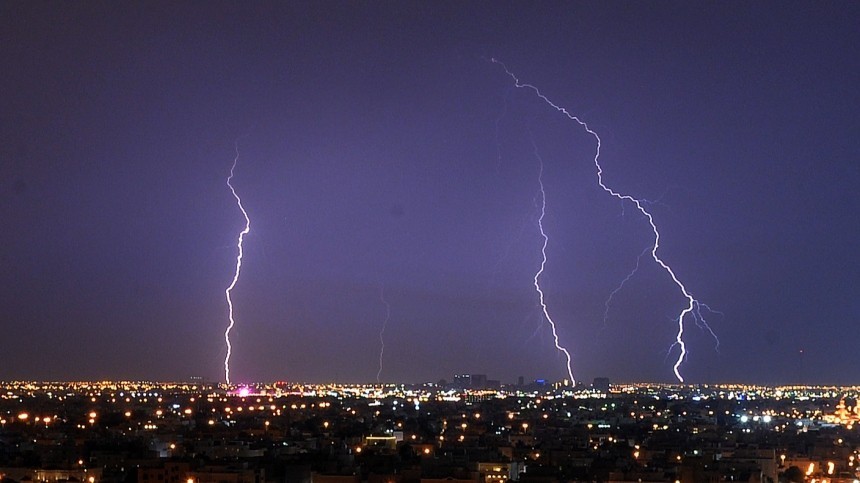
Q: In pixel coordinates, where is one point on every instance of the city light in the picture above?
(535, 421)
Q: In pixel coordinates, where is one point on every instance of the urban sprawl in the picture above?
(468, 431)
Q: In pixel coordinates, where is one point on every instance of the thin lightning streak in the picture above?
(691, 302)
(238, 266)
(543, 266)
(382, 331)
(703, 324)
(537, 329)
(621, 285)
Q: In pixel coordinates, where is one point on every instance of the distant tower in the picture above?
(462, 381)
(479, 381)
(600, 384)
(802, 378)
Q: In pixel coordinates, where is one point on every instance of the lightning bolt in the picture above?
(621, 285)
(382, 331)
(540, 271)
(703, 324)
(692, 303)
(238, 266)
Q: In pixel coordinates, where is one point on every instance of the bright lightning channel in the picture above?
(238, 266)
(382, 331)
(540, 271)
(692, 303)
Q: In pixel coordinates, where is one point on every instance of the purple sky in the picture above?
(381, 149)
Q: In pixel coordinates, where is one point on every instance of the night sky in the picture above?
(381, 152)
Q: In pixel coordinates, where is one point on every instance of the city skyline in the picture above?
(383, 146)
(111, 432)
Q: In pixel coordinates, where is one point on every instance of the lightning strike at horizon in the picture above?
(540, 271)
(690, 308)
(382, 331)
(238, 267)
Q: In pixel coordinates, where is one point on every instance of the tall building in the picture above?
(478, 381)
(600, 384)
(462, 381)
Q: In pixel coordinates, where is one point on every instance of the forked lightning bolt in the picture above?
(382, 331)
(238, 266)
(692, 303)
(540, 271)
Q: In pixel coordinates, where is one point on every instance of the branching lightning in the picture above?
(692, 303)
(238, 266)
(540, 271)
(621, 285)
(703, 324)
(382, 331)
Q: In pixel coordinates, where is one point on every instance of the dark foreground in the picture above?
(198, 433)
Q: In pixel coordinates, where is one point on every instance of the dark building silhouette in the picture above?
(600, 384)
